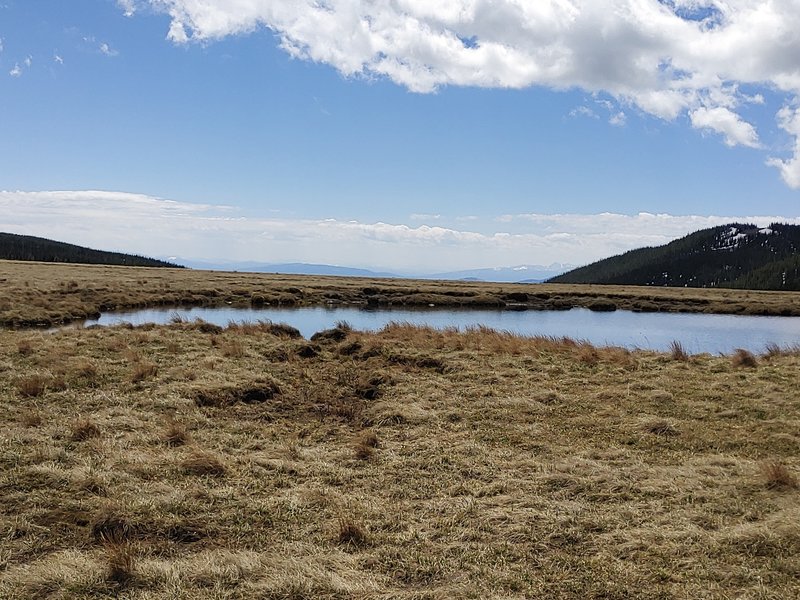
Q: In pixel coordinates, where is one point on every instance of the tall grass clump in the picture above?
(778, 476)
(678, 352)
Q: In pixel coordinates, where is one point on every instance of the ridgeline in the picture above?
(729, 256)
(26, 247)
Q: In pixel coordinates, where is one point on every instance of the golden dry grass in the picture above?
(408, 463)
(42, 294)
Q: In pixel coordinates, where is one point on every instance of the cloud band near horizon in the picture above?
(146, 225)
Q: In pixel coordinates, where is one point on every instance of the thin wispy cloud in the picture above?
(666, 58)
(153, 226)
(583, 111)
(618, 120)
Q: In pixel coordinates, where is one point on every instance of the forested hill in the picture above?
(26, 247)
(736, 256)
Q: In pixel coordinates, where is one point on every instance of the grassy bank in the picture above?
(43, 294)
(189, 461)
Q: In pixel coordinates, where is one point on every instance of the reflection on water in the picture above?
(656, 331)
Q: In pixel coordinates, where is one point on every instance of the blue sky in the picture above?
(276, 131)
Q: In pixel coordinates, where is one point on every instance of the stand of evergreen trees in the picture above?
(26, 247)
(739, 255)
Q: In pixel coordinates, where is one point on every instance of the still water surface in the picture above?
(655, 331)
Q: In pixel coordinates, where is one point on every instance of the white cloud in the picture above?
(618, 119)
(665, 57)
(107, 50)
(28, 61)
(1, 45)
(721, 120)
(58, 59)
(789, 121)
(582, 111)
(156, 227)
(128, 7)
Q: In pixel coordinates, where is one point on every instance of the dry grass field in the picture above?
(42, 294)
(194, 461)
(191, 461)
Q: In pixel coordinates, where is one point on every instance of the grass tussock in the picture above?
(32, 386)
(84, 429)
(31, 417)
(142, 371)
(778, 476)
(365, 444)
(351, 533)
(175, 434)
(120, 561)
(203, 464)
(742, 358)
(405, 463)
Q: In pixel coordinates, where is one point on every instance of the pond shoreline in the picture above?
(50, 294)
(696, 333)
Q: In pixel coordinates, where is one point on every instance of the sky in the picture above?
(406, 135)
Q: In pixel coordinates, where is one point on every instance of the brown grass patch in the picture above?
(660, 427)
(256, 392)
(25, 347)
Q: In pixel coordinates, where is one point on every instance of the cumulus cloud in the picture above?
(724, 121)
(16, 71)
(667, 58)
(157, 227)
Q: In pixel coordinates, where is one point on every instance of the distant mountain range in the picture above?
(518, 274)
(27, 247)
(738, 255)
